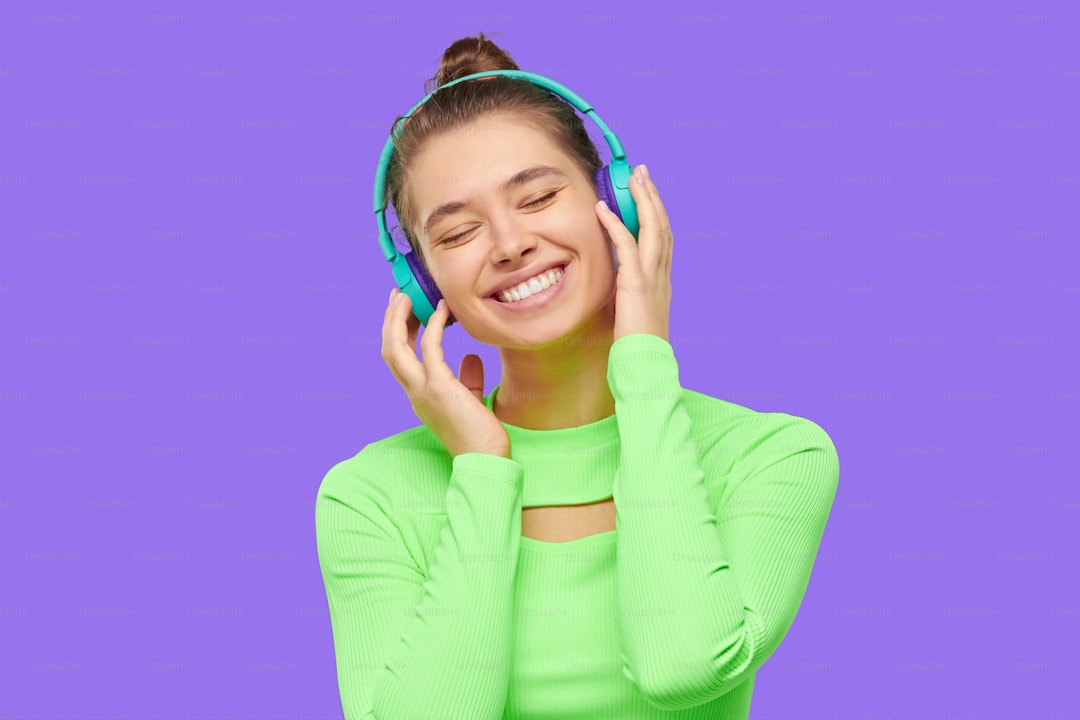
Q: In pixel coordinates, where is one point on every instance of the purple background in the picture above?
(871, 207)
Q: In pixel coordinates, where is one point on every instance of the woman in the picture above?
(472, 564)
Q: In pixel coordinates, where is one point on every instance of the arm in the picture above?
(705, 598)
(407, 645)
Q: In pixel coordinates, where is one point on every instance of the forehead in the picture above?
(478, 157)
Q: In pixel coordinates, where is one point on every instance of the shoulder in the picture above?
(744, 425)
(738, 442)
(387, 471)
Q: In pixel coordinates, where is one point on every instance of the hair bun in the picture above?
(472, 55)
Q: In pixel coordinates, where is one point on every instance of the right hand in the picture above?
(452, 409)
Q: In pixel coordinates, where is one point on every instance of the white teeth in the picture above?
(534, 286)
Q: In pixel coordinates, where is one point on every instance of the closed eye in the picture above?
(538, 201)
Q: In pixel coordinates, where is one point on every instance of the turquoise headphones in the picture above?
(612, 183)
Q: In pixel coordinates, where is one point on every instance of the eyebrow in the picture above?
(519, 178)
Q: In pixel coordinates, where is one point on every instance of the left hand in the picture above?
(643, 285)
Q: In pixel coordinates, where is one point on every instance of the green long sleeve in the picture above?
(415, 641)
(716, 540)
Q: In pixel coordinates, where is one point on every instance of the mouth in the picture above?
(535, 299)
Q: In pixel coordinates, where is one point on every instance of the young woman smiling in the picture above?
(590, 539)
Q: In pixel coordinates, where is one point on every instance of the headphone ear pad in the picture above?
(621, 202)
(427, 286)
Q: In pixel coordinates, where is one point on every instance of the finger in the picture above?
(431, 343)
(664, 223)
(471, 375)
(621, 238)
(658, 203)
(412, 326)
(387, 338)
(650, 235)
(398, 351)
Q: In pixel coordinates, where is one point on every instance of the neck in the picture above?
(560, 385)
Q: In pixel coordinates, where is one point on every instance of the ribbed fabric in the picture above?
(440, 608)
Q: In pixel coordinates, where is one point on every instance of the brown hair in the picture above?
(457, 106)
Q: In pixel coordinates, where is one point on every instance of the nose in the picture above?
(510, 239)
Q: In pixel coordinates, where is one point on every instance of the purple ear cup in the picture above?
(606, 192)
(431, 290)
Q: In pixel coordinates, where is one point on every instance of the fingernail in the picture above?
(640, 174)
(391, 298)
(605, 205)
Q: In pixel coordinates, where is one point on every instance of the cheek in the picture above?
(456, 279)
(578, 227)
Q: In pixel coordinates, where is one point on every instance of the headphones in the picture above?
(612, 183)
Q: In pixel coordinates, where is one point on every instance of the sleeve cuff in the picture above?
(488, 465)
(642, 363)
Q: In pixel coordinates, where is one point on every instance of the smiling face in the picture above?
(499, 198)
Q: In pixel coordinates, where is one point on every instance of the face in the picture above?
(478, 234)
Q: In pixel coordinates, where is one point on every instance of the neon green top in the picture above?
(440, 608)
